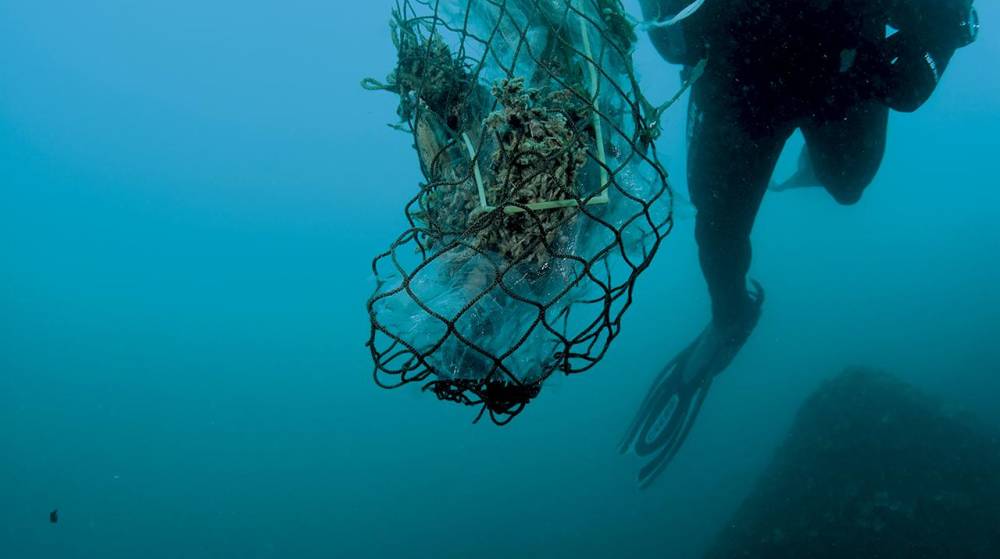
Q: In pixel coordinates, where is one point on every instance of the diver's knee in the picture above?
(846, 189)
(847, 197)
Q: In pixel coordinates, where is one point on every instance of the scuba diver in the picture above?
(762, 69)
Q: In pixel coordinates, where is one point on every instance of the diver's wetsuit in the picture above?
(823, 66)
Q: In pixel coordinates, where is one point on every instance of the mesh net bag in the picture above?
(542, 203)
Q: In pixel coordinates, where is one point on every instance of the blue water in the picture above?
(192, 193)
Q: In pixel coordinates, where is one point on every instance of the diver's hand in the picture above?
(947, 26)
(913, 71)
(915, 57)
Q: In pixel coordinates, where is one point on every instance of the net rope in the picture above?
(542, 202)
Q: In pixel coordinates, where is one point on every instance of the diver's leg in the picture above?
(730, 162)
(730, 159)
(846, 150)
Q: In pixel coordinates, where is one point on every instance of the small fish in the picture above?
(54, 516)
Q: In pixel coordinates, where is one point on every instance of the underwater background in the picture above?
(191, 194)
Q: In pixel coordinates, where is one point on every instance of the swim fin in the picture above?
(804, 176)
(671, 406)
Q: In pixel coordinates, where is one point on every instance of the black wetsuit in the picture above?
(773, 66)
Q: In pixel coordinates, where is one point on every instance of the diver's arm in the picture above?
(930, 31)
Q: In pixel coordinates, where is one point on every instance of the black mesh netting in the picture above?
(543, 200)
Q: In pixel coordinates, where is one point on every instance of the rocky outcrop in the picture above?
(873, 469)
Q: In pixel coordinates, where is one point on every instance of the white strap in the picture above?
(681, 16)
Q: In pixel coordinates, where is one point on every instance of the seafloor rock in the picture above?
(873, 469)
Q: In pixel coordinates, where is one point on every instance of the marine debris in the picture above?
(542, 198)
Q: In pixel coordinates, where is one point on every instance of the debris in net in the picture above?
(542, 202)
